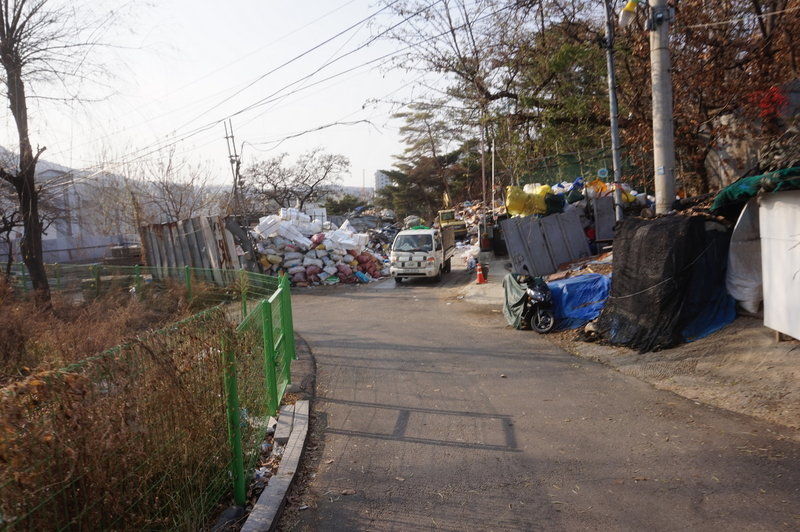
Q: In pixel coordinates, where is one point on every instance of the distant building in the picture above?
(339, 191)
(381, 180)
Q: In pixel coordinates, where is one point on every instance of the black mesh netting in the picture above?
(667, 273)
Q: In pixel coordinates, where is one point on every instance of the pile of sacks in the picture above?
(312, 252)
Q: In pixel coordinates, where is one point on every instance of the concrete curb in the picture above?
(293, 424)
(267, 509)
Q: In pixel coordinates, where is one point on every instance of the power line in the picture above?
(164, 143)
(205, 127)
(292, 60)
(209, 74)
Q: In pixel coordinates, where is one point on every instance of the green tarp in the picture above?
(514, 300)
(731, 199)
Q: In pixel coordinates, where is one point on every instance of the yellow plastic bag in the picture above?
(516, 201)
(537, 201)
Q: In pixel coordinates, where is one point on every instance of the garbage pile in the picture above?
(313, 252)
(545, 199)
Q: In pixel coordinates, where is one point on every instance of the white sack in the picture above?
(308, 261)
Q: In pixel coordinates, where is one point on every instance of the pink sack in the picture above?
(317, 239)
(313, 270)
(299, 277)
(344, 270)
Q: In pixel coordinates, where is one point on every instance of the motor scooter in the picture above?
(537, 310)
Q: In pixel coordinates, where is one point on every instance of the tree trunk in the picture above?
(24, 183)
(31, 245)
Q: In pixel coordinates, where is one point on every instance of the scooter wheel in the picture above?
(543, 321)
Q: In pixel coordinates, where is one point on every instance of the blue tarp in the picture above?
(579, 300)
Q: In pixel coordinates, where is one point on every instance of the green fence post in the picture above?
(287, 323)
(269, 357)
(187, 275)
(96, 275)
(243, 284)
(137, 280)
(57, 268)
(234, 421)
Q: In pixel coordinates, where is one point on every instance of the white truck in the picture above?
(422, 253)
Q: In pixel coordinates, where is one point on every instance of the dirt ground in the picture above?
(742, 368)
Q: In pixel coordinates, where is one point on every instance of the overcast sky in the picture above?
(184, 66)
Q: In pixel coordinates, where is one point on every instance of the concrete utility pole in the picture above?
(663, 132)
(614, 111)
(236, 164)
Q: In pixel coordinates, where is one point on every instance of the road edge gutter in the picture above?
(264, 515)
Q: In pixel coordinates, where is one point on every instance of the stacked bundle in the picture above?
(313, 252)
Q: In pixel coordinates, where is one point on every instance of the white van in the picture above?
(422, 253)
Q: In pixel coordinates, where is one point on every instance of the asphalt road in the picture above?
(431, 414)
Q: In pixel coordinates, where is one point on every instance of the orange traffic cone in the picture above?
(481, 279)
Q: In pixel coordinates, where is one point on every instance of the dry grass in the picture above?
(33, 340)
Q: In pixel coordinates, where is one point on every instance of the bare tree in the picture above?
(272, 183)
(164, 189)
(41, 41)
(10, 221)
(175, 190)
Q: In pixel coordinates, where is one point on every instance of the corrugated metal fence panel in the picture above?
(526, 246)
(201, 242)
(540, 245)
(574, 237)
(555, 240)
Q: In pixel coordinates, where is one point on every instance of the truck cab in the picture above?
(447, 218)
(421, 253)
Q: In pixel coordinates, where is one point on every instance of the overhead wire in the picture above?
(168, 142)
(155, 147)
(294, 59)
(209, 74)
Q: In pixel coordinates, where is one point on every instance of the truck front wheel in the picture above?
(447, 265)
(438, 277)
(398, 280)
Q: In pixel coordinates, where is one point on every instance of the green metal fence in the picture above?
(204, 287)
(156, 433)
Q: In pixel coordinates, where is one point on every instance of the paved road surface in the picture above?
(433, 415)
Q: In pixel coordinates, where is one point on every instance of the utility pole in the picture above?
(663, 132)
(614, 111)
(492, 208)
(236, 164)
(483, 161)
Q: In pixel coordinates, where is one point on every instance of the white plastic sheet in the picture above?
(744, 279)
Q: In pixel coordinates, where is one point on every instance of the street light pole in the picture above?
(663, 132)
(614, 111)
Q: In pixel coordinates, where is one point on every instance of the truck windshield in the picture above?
(413, 243)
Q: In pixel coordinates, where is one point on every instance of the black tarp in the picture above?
(669, 282)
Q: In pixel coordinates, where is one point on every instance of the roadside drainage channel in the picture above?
(289, 441)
